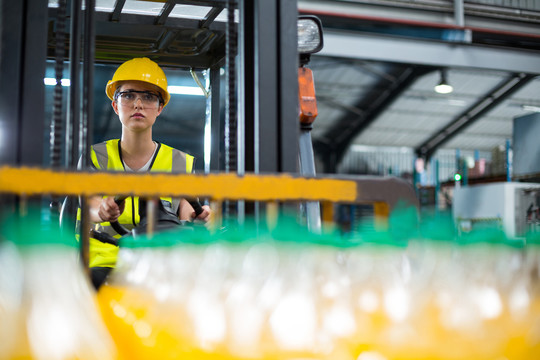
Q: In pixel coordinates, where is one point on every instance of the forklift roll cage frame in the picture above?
(266, 126)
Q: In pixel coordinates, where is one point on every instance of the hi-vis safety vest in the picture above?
(108, 156)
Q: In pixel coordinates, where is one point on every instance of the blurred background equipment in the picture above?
(510, 206)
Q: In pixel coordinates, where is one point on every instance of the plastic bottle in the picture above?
(144, 299)
(526, 345)
(380, 275)
(11, 293)
(47, 305)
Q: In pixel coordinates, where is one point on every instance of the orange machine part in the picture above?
(307, 100)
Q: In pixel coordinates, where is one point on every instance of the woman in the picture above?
(139, 93)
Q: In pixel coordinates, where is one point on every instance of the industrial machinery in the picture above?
(509, 206)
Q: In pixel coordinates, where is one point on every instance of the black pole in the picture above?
(57, 121)
(74, 99)
(231, 122)
(85, 130)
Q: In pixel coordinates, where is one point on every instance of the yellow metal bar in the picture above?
(381, 211)
(33, 181)
(327, 212)
(328, 216)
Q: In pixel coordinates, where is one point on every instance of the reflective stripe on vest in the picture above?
(108, 156)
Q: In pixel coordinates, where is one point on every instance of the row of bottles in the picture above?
(413, 291)
(290, 294)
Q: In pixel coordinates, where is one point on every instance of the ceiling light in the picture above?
(185, 90)
(443, 87)
(52, 82)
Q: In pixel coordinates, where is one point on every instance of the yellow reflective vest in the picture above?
(108, 156)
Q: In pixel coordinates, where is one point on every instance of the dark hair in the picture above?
(116, 92)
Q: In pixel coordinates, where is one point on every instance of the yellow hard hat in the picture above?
(139, 69)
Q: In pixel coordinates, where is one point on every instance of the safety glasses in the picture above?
(129, 97)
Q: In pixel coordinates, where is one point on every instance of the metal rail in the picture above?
(219, 186)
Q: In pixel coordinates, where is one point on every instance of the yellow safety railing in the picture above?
(219, 186)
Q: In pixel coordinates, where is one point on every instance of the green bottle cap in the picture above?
(35, 229)
(487, 236)
(533, 239)
(438, 228)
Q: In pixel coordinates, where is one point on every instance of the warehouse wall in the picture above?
(370, 160)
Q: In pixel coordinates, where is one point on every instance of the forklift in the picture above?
(264, 129)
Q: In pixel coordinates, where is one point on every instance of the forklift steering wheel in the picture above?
(120, 229)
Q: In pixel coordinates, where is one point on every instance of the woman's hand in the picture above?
(188, 213)
(205, 216)
(105, 209)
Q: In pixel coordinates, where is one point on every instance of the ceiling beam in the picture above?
(430, 53)
(210, 16)
(165, 12)
(503, 90)
(118, 6)
(432, 13)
